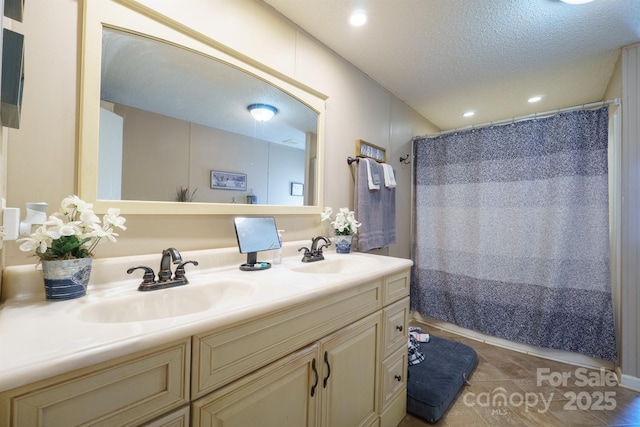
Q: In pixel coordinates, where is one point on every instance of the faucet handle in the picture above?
(180, 273)
(324, 245)
(307, 251)
(149, 278)
(308, 254)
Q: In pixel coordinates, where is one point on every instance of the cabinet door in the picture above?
(284, 393)
(350, 364)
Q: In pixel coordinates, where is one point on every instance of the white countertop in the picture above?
(40, 339)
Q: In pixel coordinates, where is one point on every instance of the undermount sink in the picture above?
(345, 265)
(165, 303)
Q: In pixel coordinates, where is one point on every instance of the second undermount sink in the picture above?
(166, 303)
(345, 264)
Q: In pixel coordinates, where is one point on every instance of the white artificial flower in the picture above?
(326, 214)
(112, 217)
(72, 203)
(78, 229)
(38, 240)
(345, 222)
(88, 217)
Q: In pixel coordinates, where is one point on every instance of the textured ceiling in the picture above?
(445, 57)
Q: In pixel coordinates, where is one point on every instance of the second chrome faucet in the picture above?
(166, 279)
(315, 253)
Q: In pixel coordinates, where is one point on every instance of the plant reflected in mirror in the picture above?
(185, 195)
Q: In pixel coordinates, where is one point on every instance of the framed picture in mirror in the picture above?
(297, 189)
(228, 181)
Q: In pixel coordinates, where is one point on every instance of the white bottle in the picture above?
(277, 254)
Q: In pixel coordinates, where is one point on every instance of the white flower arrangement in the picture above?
(73, 232)
(344, 224)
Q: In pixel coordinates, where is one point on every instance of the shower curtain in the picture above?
(512, 232)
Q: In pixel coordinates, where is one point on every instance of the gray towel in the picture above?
(375, 209)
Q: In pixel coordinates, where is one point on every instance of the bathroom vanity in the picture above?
(300, 344)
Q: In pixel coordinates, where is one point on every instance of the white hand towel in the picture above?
(389, 176)
(373, 179)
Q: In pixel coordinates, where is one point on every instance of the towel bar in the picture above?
(352, 159)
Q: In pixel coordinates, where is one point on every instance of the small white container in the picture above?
(277, 254)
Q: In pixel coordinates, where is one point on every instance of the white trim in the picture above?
(630, 382)
(545, 353)
(615, 218)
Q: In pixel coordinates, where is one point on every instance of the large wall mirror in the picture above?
(166, 128)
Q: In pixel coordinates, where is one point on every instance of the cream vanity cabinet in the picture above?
(337, 358)
(329, 383)
(353, 373)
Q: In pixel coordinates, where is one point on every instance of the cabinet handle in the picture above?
(397, 377)
(399, 328)
(326, 360)
(315, 373)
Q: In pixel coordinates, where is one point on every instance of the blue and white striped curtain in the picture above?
(512, 232)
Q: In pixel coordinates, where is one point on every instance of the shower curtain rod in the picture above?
(615, 101)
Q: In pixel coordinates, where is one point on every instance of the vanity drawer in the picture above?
(394, 376)
(222, 356)
(395, 324)
(396, 286)
(124, 392)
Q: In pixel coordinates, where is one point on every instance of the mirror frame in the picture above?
(132, 17)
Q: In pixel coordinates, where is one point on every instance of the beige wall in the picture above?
(155, 155)
(161, 154)
(42, 153)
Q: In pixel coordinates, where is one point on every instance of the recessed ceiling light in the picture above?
(576, 1)
(535, 99)
(358, 18)
(469, 114)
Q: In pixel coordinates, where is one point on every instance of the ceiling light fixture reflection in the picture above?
(262, 112)
(535, 99)
(469, 114)
(358, 18)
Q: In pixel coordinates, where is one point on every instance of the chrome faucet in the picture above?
(314, 244)
(315, 253)
(165, 279)
(168, 255)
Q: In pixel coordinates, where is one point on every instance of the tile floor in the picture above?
(583, 400)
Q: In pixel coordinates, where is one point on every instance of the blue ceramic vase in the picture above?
(66, 279)
(343, 244)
